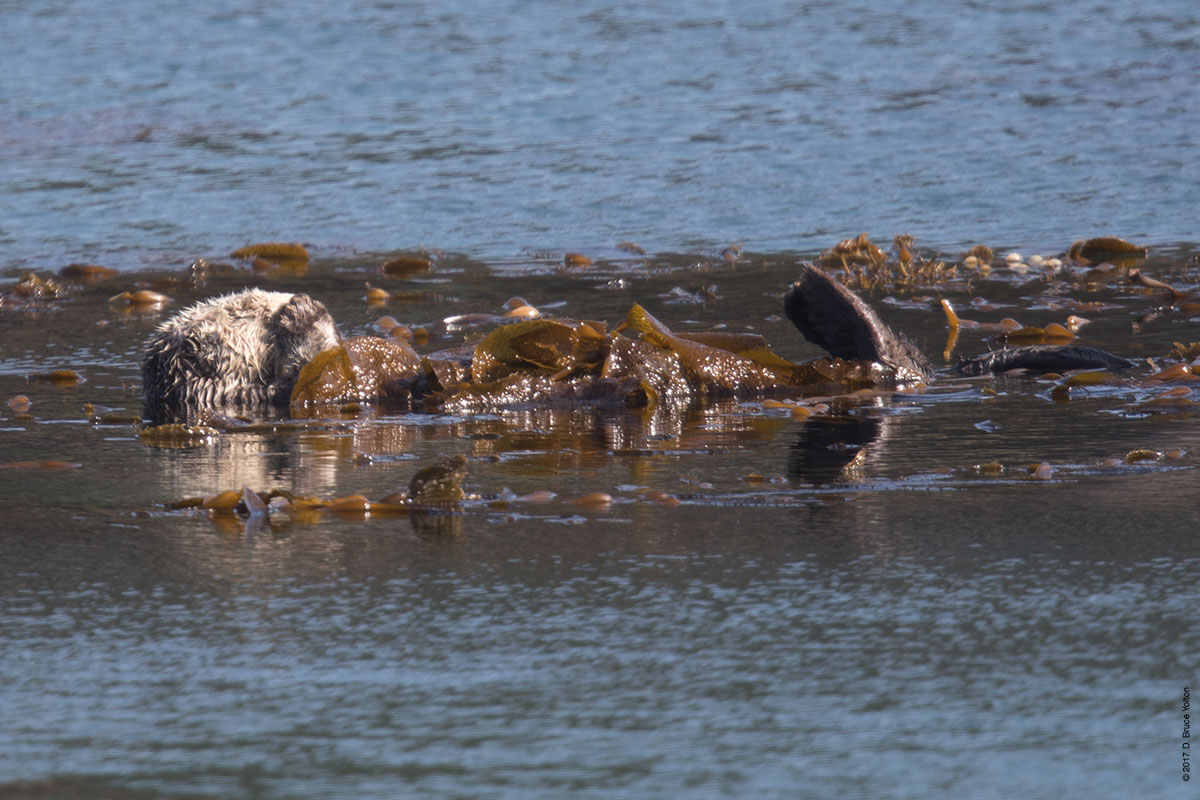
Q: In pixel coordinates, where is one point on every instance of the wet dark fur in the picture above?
(836, 320)
(1041, 358)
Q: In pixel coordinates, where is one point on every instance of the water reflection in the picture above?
(828, 450)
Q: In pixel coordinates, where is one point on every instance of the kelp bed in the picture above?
(646, 437)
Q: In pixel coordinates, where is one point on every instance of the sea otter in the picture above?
(242, 350)
(248, 349)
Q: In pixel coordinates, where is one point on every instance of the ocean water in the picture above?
(887, 603)
(136, 135)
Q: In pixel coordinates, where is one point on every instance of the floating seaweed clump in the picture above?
(141, 300)
(286, 251)
(49, 465)
(1186, 352)
(979, 256)
(405, 265)
(31, 292)
(1087, 252)
(85, 273)
(178, 436)
(438, 484)
(865, 266)
(59, 377)
(361, 368)
(563, 361)
(857, 251)
(434, 488)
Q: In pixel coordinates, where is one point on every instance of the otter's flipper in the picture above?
(836, 320)
(1041, 358)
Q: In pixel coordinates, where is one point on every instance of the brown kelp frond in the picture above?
(273, 251)
(865, 266)
(1186, 352)
(1087, 252)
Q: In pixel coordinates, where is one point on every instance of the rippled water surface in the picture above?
(134, 133)
(880, 602)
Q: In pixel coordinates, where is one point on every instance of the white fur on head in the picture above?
(240, 350)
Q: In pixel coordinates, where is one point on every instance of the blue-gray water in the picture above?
(133, 133)
(901, 626)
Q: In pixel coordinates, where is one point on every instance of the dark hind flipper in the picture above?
(839, 322)
(1041, 358)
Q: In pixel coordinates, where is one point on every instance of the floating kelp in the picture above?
(433, 489)
(1087, 252)
(865, 265)
(522, 311)
(576, 260)
(361, 368)
(1090, 378)
(717, 371)
(177, 435)
(545, 345)
(31, 292)
(1175, 372)
(1028, 334)
(40, 465)
(859, 250)
(86, 273)
(560, 361)
(438, 484)
(1172, 401)
(1186, 352)
(979, 257)
(1041, 471)
(142, 299)
(592, 500)
(547, 361)
(1142, 279)
(954, 321)
(405, 265)
(59, 377)
(513, 308)
(273, 251)
(377, 296)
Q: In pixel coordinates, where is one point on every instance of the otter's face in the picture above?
(301, 328)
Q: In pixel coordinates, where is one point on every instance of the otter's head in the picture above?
(301, 328)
